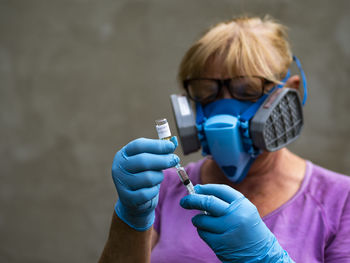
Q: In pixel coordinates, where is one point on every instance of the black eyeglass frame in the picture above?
(225, 82)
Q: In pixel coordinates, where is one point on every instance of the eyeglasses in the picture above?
(205, 90)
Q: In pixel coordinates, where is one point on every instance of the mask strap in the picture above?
(303, 78)
(284, 80)
(199, 113)
(248, 114)
(200, 118)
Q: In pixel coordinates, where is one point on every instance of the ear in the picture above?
(293, 82)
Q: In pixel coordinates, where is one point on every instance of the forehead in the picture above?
(215, 68)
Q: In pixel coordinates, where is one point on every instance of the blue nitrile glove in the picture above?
(137, 174)
(233, 229)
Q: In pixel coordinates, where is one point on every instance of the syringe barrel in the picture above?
(182, 173)
(190, 188)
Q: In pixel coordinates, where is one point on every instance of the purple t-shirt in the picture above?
(313, 226)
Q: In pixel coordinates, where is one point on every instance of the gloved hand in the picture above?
(137, 174)
(233, 229)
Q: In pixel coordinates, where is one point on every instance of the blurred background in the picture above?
(79, 79)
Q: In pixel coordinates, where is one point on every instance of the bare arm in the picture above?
(137, 173)
(155, 238)
(125, 244)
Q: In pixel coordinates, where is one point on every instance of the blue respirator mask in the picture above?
(235, 132)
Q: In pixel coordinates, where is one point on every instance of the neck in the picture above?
(274, 178)
(267, 164)
(270, 169)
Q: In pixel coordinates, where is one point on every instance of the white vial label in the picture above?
(183, 105)
(163, 131)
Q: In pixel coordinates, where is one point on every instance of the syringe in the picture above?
(185, 179)
(164, 133)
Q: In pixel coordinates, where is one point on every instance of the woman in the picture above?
(279, 208)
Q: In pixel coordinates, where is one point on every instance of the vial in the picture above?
(164, 133)
(163, 129)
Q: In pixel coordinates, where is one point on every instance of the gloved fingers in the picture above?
(143, 179)
(222, 191)
(137, 197)
(206, 236)
(174, 141)
(213, 205)
(149, 205)
(208, 223)
(148, 161)
(144, 145)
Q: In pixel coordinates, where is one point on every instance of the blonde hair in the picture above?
(248, 46)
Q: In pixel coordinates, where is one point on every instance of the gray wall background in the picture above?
(79, 79)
